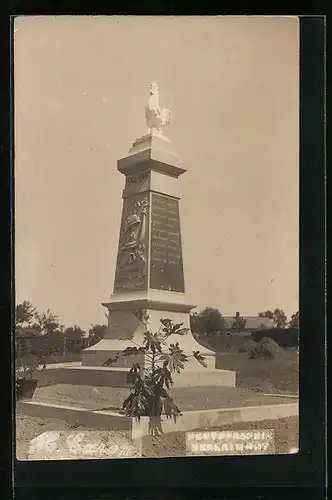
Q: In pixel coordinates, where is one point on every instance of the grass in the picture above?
(279, 375)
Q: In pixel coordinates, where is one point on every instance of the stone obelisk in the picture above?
(149, 277)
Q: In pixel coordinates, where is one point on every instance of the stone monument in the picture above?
(149, 279)
(149, 285)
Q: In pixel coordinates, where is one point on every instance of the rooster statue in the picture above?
(155, 116)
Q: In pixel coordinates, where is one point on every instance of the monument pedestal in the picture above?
(149, 277)
(126, 328)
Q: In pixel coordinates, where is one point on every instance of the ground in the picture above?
(173, 444)
(169, 445)
(276, 376)
(279, 375)
(28, 428)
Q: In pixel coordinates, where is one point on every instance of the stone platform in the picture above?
(117, 377)
(101, 407)
(188, 399)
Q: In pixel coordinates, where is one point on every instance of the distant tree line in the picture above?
(209, 324)
(210, 321)
(42, 334)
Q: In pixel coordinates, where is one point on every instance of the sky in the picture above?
(80, 89)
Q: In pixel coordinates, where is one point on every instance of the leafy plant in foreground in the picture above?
(149, 394)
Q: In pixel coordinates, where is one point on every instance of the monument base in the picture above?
(129, 319)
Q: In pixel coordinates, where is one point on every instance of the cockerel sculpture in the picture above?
(155, 116)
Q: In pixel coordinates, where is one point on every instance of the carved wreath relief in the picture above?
(133, 231)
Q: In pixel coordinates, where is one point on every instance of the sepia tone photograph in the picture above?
(156, 180)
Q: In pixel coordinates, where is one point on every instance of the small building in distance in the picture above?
(250, 324)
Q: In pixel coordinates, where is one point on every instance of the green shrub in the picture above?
(248, 346)
(207, 322)
(265, 348)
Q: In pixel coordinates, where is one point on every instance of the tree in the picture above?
(238, 323)
(96, 333)
(25, 329)
(51, 329)
(74, 337)
(24, 314)
(266, 314)
(48, 323)
(149, 394)
(73, 332)
(209, 321)
(295, 320)
(278, 316)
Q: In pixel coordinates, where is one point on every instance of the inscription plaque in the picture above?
(136, 183)
(166, 266)
(132, 260)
